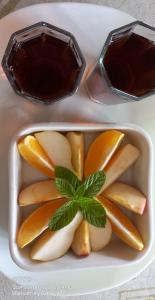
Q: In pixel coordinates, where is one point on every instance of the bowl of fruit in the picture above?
(80, 196)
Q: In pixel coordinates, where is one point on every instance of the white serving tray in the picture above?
(90, 24)
(139, 175)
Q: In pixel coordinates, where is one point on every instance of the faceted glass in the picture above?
(43, 63)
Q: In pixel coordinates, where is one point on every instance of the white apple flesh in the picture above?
(57, 147)
(100, 236)
(81, 243)
(39, 192)
(54, 244)
(119, 163)
(127, 196)
(76, 141)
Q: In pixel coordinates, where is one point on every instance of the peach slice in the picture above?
(127, 196)
(39, 192)
(54, 244)
(31, 151)
(119, 163)
(76, 140)
(121, 225)
(99, 236)
(81, 244)
(57, 147)
(101, 150)
(37, 222)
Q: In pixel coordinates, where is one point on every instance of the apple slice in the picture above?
(54, 244)
(57, 147)
(76, 140)
(119, 163)
(127, 196)
(37, 222)
(32, 152)
(81, 245)
(121, 225)
(101, 150)
(100, 237)
(39, 192)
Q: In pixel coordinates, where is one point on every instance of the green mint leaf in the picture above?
(63, 215)
(65, 188)
(92, 185)
(92, 211)
(80, 191)
(64, 173)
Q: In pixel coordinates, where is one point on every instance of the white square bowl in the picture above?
(140, 175)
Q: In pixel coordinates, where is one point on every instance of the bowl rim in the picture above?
(67, 126)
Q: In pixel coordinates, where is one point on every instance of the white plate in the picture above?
(116, 253)
(90, 24)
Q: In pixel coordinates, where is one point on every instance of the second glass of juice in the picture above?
(125, 70)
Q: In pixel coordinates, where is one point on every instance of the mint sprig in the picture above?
(64, 173)
(92, 185)
(79, 196)
(63, 216)
(93, 211)
(65, 188)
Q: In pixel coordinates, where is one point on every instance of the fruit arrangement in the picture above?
(81, 198)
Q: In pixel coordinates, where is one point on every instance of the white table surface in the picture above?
(143, 286)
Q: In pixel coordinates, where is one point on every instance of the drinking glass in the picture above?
(43, 63)
(125, 69)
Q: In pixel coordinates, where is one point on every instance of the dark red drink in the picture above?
(43, 63)
(130, 64)
(44, 67)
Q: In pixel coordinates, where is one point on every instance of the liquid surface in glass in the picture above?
(44, 67)
(130, 64)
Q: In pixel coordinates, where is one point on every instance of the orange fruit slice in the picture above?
(31, 151)
(101, 150)
(37, 222)
(121, 225)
